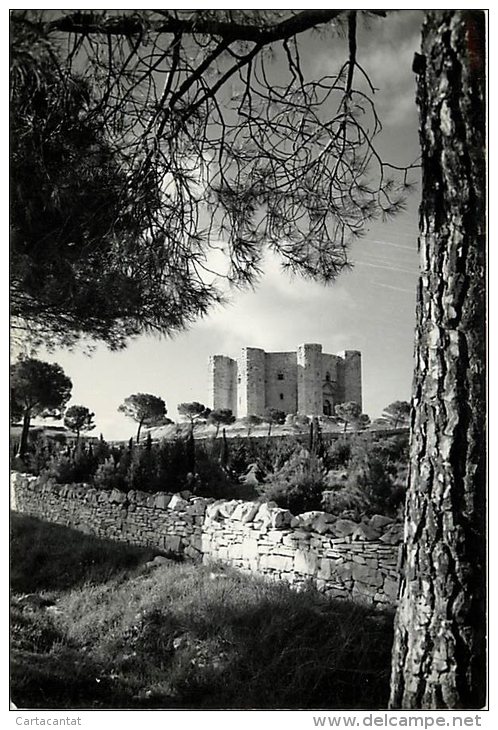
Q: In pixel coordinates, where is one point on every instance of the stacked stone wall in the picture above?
(341, 557)
(163, 521)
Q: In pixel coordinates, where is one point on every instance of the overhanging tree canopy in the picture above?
(194, 143)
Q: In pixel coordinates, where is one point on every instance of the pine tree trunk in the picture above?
(23, 450)
(440, 632)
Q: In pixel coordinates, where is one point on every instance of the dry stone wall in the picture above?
(341, 557)
(167, 522)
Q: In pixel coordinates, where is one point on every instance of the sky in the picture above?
(371, 308)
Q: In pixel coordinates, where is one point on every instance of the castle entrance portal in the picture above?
(327, 407)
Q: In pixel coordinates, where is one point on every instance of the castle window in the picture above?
(280, 376)
(281, 396)
(327, 377)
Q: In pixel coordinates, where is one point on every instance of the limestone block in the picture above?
(372, 563)
(306, 562)
(343, 571)
(197, 506)
(235, 551)
(335, 592)
(279, 517)
(263, 514)
(274, 536)
(172, 543)
(245, 512)
(223, 554)
(250, 549)
(138, 497)
(366, 532)
(321, 524)
(343, 528)
(176, 503)
(391, 589)
(117, 496)
(364, 594)
(379, 521)
(325, 569)
(394, 535)
(367, 576)
(285, 552)
(292, 539)
(192, 552)
(226, 509)
(315, 520)
(276, 562)
(205, 544)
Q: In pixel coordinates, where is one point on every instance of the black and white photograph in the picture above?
(249, 366)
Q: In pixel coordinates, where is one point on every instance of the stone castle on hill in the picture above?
(308, 381)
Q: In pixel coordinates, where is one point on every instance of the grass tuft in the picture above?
(182, 636)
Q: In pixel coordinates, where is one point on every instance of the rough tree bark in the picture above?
(440, 634)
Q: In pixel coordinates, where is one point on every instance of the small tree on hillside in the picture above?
(363, 422)
(78, 419)
(298, 422)
(194, 412)
(37, 389)
(349, 413)
(251, 421)
(273, 415)
(397, 413)
(146, 409)
(221, 417)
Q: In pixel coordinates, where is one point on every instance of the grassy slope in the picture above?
(104, 631)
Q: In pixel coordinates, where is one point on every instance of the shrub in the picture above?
(142, 473)
(299, 484)
(109, 477)
(175, 638)
(338, 454)
(368, 473)
(349, 498)
(66, 468)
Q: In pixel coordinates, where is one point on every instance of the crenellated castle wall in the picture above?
(251, 382)
(352, 390)
(223, 382)
(281, 381)
(308, 381)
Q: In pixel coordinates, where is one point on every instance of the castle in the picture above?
(308, 381)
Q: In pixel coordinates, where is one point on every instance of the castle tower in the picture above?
(251, 391)
(351, 380)
(309, 380)
(222, 382)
